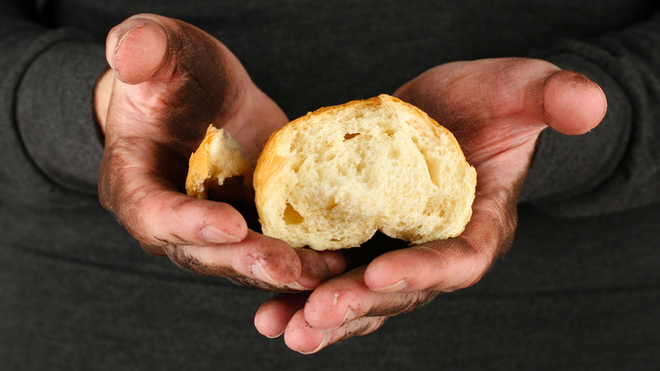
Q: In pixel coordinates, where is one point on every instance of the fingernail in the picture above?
(295, 285)
(274, 336)
(399, 286)
(350, 315)
(259, 273)
(120, 40)
(326, 340)
(213, 235)
(303, 283)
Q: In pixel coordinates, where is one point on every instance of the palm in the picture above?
(497, 128)
(496, 108)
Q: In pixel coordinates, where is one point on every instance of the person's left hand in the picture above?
(169, 81)
(496, 108)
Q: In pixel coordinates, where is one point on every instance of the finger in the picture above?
(314, 270)
(565, 100)
(572, 104)
(302, 338)
(347, 298)
(157, 214)
(139, 191)
(275, 314)
(335, 261)
(178, 77)
(262, 259)
(138, 48)
(452, 264)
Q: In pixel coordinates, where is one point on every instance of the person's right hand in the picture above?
(496, 109)
(169, 81)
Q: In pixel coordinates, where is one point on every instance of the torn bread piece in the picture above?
(219, 161)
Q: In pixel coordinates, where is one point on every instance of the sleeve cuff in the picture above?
(55, 113)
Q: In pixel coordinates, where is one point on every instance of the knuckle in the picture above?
(153, 249)
(410, 302)
(252, 283)
(500, 213)
(184, 258)
(477, 260)
(459, 264)
(361, 327)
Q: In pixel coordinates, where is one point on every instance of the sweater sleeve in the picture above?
(51, 147)
(616, 166)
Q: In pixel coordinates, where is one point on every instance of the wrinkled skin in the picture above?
(170, 80)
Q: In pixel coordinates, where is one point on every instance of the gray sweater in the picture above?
(579, 289)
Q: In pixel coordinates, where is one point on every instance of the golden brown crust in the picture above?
(198, 167)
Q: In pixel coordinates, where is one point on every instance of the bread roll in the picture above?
(331, 179)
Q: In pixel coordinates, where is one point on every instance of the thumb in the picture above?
(571, 103)
(137, 49)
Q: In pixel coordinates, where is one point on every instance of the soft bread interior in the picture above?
(334, 177)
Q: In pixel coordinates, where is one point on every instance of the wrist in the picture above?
(102, 93)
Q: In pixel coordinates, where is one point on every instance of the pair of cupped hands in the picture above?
(170, 80)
